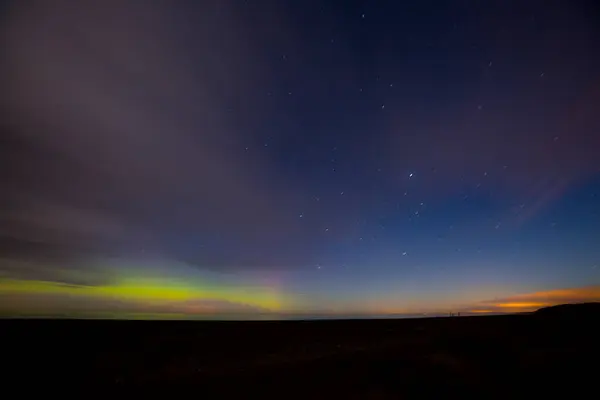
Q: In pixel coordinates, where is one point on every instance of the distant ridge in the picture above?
(578, 311)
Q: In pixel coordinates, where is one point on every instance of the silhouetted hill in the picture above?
(571, 311)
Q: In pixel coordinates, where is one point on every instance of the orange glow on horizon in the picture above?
(521, 305)
(533, 301)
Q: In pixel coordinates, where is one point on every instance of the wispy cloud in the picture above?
(135, 139)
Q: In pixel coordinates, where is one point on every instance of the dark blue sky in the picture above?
(355, 154)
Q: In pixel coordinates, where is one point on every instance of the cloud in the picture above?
(119, 127)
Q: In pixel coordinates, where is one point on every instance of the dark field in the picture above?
(491, 357)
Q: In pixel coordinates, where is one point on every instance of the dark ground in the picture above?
(490, 357)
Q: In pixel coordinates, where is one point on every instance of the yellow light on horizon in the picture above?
(521, 305)
(152, 291)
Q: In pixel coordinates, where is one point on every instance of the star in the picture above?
(301, 216)
(404, 253)
(410, 175)
(363, 16)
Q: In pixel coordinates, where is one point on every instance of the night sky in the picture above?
(227, 157)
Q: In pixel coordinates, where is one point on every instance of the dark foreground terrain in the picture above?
(491, 357)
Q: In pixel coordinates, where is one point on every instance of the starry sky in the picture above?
(250, 158)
